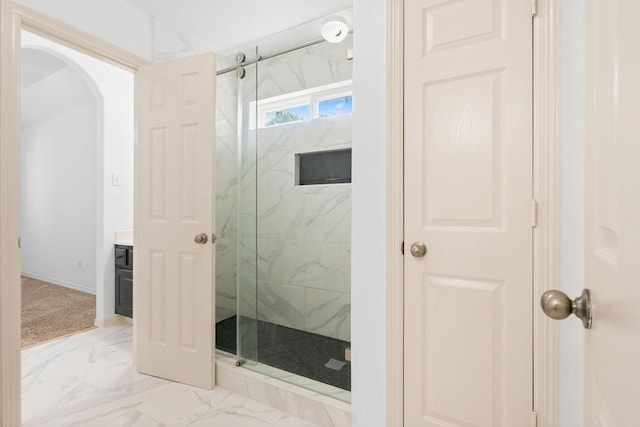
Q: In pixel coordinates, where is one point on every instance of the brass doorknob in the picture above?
(557, 305)
(201, 238)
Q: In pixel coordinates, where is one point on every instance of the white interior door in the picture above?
(468, 195)
(174, 202)
(612, 234)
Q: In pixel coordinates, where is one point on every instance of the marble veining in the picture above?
(328, 313)
(89, 380)
(321, 265)
(281, 216)
(305, 68)
(328, 218)
(283, 303)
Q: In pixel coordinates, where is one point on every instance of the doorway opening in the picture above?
(59, 129)
(76, 177)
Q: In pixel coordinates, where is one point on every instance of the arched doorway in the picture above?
(60, 141)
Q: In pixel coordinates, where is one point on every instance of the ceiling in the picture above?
(223, 25)
(49, 87)
(36, 65)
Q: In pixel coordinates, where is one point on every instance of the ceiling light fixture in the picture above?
(334, 29)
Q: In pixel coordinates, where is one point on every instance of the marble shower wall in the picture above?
(293, 241)
(304, 232)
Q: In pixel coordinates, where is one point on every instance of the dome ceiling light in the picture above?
(334, 29)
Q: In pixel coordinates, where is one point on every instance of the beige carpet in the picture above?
(51, 311)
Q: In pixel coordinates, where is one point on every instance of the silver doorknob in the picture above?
(201, 238)
(418, 249)
(557, 305)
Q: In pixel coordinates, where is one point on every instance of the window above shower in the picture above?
(322, 101)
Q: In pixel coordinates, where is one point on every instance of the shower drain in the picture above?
(334, 364)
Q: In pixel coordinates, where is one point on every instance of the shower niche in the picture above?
(283, 212)
(324, 167)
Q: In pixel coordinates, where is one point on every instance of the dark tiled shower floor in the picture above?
(291, 350)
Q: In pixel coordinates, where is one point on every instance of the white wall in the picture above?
(58, 198)
(572, 139)
(115, 21)
(115, 155)
(368, 277)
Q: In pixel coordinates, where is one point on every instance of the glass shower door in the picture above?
(236, 254)
(248, 260)
(303, 126)
(284, 216)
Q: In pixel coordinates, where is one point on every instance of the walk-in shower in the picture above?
(283, 256)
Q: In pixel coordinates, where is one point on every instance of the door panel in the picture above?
(461, 354)
(462, 157)
(174, 298)
(468, 180)
(612, 214)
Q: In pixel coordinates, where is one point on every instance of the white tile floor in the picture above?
(89, 380)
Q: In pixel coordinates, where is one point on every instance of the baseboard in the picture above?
(60, 283)
(113, 321)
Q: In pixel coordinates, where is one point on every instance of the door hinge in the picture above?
(534, 213)
(534, 419)
(534, 7)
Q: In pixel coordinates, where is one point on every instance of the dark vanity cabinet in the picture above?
(124, 280)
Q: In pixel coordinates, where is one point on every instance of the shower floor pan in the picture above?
(303, 353)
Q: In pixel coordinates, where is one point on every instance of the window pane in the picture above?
(335, 107)
(288, 115)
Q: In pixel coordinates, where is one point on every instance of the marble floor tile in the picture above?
(89, 380)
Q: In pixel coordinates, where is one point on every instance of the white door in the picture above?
(612, 234)
(174, 203)
(468, 177)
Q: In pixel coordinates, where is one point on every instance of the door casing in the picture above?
(13, 19)
(546, 25)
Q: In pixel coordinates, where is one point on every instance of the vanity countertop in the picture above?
(124, 237)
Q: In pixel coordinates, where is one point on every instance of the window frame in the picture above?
(311, 97)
